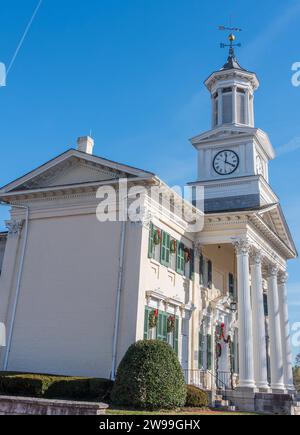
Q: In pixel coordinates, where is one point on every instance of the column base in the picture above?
(246, 386)
(263, 387)
(278, 389)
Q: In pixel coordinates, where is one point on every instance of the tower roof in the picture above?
(232, 62)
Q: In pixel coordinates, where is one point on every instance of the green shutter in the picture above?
(165, 249)
(202, 269)
(176, 335)
(200, 351)
(150, 243)
(192, 265)
(180, 259)
(162, 327)
(209, 353)
(209, 274)
(146, 323)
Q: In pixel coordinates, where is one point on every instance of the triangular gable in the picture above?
(227, 131)
(275, 219)
(71, 168)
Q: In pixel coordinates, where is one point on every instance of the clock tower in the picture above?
(233, 156)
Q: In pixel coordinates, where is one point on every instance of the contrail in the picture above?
(24, 36)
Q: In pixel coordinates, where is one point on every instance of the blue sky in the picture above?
(132, 71)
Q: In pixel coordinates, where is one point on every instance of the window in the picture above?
(161, 331)
(266, 304)
(206, 272)
(154, 248)
(231, 285)
(201, 350)
(170, 252)
(227, 105)
(240, 107)
(180, 259)
(209, 274)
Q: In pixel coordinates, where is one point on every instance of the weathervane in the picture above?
(231, 39)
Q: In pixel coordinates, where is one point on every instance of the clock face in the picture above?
(226, 162)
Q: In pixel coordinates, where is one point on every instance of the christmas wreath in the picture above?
(171, 324)
(173, 246)
(153, 319)
(157, 237)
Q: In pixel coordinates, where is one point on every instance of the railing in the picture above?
(196, 377)
(205, 379)
(224, 379)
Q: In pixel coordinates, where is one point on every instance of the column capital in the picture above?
(198, 248)
(256, 256)
(283, 277)
(14, 226)
(242, 246)
(273, 270)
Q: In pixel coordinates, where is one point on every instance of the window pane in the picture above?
(240, 101)
(227, 108)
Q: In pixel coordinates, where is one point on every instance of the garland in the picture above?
(171, 324)
(157, 237)
(222, 337)
(153, 319)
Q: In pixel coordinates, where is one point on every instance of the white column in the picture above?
(277, 380)
(246, 372)
(247, 107)
(285, 333)
(259, 330)
(234, 104)
(220, 106)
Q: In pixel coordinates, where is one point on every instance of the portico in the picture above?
(260, 272)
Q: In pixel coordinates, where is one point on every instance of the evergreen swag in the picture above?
(187, 255)
(171, 324)
(173, 246)
(157, 237)
(153, 319)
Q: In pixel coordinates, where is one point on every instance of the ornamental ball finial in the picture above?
(231, 37)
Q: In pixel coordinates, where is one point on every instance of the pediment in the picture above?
(274, 218)
(74, 171)
(73, 168)
(222, 133)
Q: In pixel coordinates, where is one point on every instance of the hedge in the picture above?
(149, 377)
(54, 387)
(196, 398)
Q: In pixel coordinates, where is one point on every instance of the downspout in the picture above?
(20, 271)
(118, 300)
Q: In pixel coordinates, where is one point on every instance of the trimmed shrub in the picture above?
(54, 387)
(150, 377)
(196, 398)
(80, 389)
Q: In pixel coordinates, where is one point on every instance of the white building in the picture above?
(76, 293)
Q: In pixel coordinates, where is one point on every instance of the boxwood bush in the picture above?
(54, 387)
(196, 398)
(150, 377)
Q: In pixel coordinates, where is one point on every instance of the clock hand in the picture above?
(231, 164)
